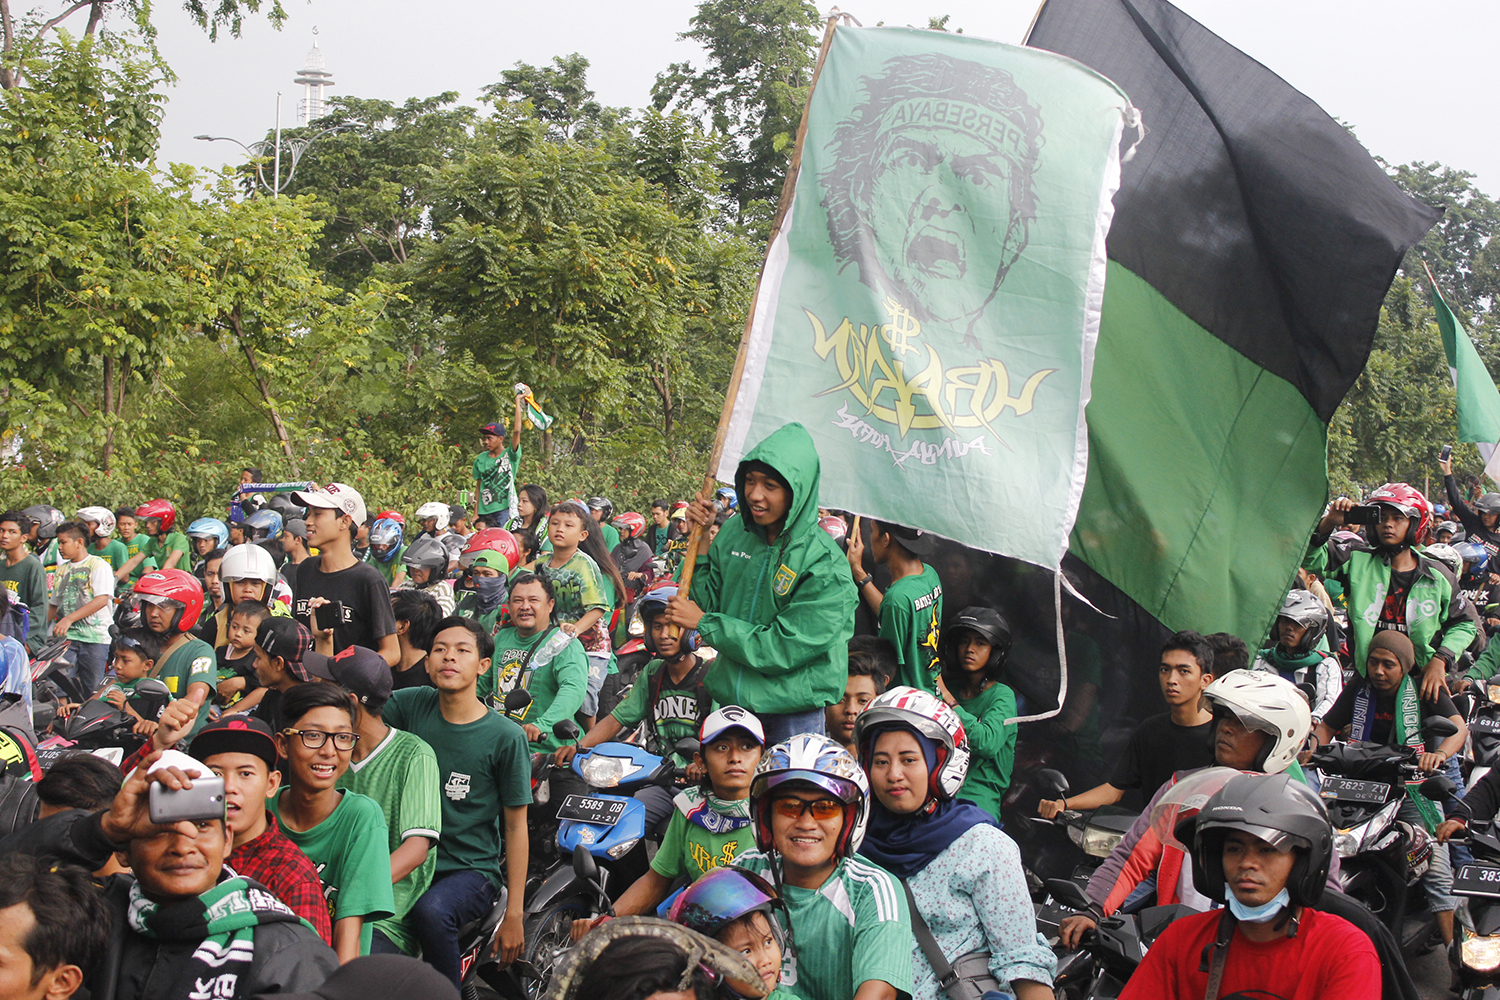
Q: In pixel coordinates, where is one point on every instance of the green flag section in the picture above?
(1252, 245)
(1478, 400)
(930, 306)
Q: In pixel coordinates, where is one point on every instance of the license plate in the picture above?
(586, 809)
(1351, 790)
(1477, 880)
(1485, 724)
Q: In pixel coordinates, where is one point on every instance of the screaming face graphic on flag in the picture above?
(930, 192)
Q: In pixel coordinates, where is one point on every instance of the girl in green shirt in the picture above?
(973, 649)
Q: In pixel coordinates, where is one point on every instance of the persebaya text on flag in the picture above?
(929, 308)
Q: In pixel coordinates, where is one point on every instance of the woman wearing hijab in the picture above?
(962, 875)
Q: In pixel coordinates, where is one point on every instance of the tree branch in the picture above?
(59, 19)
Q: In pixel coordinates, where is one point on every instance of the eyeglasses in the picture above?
(313, 739)
(821, 809)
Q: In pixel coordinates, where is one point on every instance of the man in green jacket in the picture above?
(1390, 585)
(773, 595)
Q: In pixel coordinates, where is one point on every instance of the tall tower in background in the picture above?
(314, 80)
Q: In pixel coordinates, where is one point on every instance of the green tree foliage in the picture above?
(559, 96)
(752, 90)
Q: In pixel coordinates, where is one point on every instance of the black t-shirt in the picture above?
(1160, 747)
(363, 592)
(413, 676)
(268, 709)
(1393, 611)
(1342, 712)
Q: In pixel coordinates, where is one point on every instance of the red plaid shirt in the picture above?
(279, 865)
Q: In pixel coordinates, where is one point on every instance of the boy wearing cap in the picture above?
(911, 608)
(495, 470)
(283, 659)
(242, 751)
(335, 514)
(294, 541)
(400, 772)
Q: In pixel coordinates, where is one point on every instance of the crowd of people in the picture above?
(346, 672)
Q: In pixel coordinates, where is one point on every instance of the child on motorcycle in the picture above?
(738, 909)
(134, 655)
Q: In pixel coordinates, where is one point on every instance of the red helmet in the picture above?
(394, 515)
(630, 524)
(1410, 502)
(159, 508)
(679, 505)
(174, 585)
(492, 540)
(835, 526)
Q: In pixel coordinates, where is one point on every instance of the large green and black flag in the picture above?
(1253, 242)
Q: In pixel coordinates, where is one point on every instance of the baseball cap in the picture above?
(732, 717)
(335, 496)
(914, 540)
(381, 977)
(363, 673)
(236, 734)
(296, 526)
(496, 429)
(292, 642)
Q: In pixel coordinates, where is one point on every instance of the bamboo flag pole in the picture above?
(788, 187)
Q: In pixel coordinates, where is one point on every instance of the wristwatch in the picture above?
(869, 578)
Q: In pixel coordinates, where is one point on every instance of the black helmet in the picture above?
(990, 626)
(47, 520)
(1306, 610)
(426, 552)
(1278, 809)
(283, 504)
(1489, 503)
(602, 508)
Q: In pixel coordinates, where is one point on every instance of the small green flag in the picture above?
(1478, 399)
(534, 414)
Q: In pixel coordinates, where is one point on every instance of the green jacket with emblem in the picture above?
(1436, 621)
(779, 613)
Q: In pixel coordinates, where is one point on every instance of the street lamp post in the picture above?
(258, 151)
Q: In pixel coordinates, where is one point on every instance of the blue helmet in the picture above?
(263, 524)
(1476, 563)
(210, 527)
(653, 604)
(385, 532)
(727, 497)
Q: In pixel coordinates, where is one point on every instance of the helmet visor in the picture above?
(1183, 800)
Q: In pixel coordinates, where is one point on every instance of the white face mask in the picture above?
(1259, 914)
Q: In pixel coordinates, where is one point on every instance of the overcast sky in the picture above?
(1410, 78)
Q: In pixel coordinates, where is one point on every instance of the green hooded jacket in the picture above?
(779, 613)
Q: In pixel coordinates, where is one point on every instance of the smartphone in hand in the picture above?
(330, 616)
(205, 800)
(1446, 453)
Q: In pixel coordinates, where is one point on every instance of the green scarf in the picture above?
(222, 921)
(1405, 732)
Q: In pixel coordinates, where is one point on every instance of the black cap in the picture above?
(292, 641)
(236, 734)
(379, 977)
(914, 540)
(363, 673)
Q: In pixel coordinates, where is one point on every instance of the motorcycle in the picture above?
(1381, 857)
(100, 727)
(1483, 718)
(1475, 953)
(1115, 948)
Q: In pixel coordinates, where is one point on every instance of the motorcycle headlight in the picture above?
(623, 848)
(637, 627)
(1346, 842)
(1098, 842)
(602, 771)
(1494, 692)
(1481, 953)
(1075, 834)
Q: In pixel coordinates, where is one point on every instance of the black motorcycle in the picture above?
(1475, 953)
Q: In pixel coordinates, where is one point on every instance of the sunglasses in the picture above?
(313, 739)
(821, 809)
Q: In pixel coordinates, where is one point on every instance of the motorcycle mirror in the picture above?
(1438, 787)
(686, 747)
(584, 865)
(1052, 780)
(516, 699)
(152, 685)
(1068, 893)
(1435, 729)
(566, 730)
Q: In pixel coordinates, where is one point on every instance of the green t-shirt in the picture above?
(162, 546)
(679, 712)
(580, 588)
(348, 850)
(76, 584)
(497, 480)
(137, 544)
(401, 775)
(484, 767)
(50, 560)
(388, 567)
(855, 927)
(910, 613)
(112, 552)
(191, 663)
(557, 687)
(27, 583)
(611, 537)
(702, 834)
(468, 607)
(992, 745)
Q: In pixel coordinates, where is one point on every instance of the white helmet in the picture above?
(435, 509)
(1268, 703)
(1447, 555)
(247, 562)
(102, 517)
